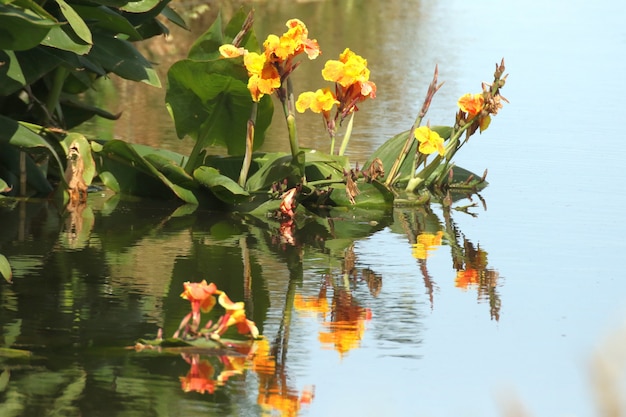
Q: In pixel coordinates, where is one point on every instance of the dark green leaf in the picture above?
(275, 168)
(105, 18)
(24, 67)
(123, 169)
(221, 186)
(122, 58)
(22, 29)
(174, 17)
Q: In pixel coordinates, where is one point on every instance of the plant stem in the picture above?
(346, 136)
(247, 159)
(53, 99)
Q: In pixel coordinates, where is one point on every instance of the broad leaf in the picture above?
(64, 38)
(124, 170)
(174, 17)
(22, 29)
(121, 58)
(24, 67)
(221, 186)
(275, 168)
(140, 6)
(76, 22)
(210, 101)
(107, 19)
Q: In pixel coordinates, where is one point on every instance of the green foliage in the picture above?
(51, 52)
(208, 97)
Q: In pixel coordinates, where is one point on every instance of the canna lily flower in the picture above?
(200, 294)
(231, 51)
(320, 101)
(264, 77)
(235, 316)
(472, 104)
(429, 141)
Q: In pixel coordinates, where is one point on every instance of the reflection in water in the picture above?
(94, 278)
(426, 233)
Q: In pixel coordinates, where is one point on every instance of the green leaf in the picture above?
(5, 269)
(140, 6)
(22, 29)
(13, 133)
(105, 18)
(124, 170)
(275, 167)
(174, 17)
(122, 58)
(64, 38)
(372, 194)
(221, 186)
(210, 101)
(24, 67)
(76, 22)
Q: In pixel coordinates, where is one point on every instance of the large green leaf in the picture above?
(64, 38)
(122, 58)
(22, 29)
(24, 67)
(221, 186)
(76, 22)
(105, 18)
(124, 170)
(275, 167)
(210, 101)
(140, 6)
(13, 133)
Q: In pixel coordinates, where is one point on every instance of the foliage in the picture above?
(52, 52)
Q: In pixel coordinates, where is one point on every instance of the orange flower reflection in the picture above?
(200, 376)
(426, 243)
(467, 278)
(345, 327)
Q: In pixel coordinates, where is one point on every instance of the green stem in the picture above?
(346, 136)
(54, 96)
(247, 159)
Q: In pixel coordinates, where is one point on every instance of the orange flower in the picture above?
(264, 77)
(472, 104)
(429, 141)
(200, 294)
(235, 316)
(319, 101)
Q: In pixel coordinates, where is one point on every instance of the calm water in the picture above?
(419, 341)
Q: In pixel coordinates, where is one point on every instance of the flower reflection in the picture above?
(200, 375)
(343, 319)
(426, 243)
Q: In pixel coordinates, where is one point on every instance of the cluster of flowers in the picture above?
(202, 298)
(269, 69)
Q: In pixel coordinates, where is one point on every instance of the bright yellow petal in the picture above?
(304, 101)
(254, 63)
(231, 51)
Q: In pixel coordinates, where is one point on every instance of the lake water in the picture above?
(408, 334)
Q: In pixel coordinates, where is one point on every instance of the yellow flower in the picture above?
(231, 51)
(319, 101)
(429, 141)
(472, 104)
(426, 242)
(348, 70)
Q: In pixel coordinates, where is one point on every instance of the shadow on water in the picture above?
(91, 280)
